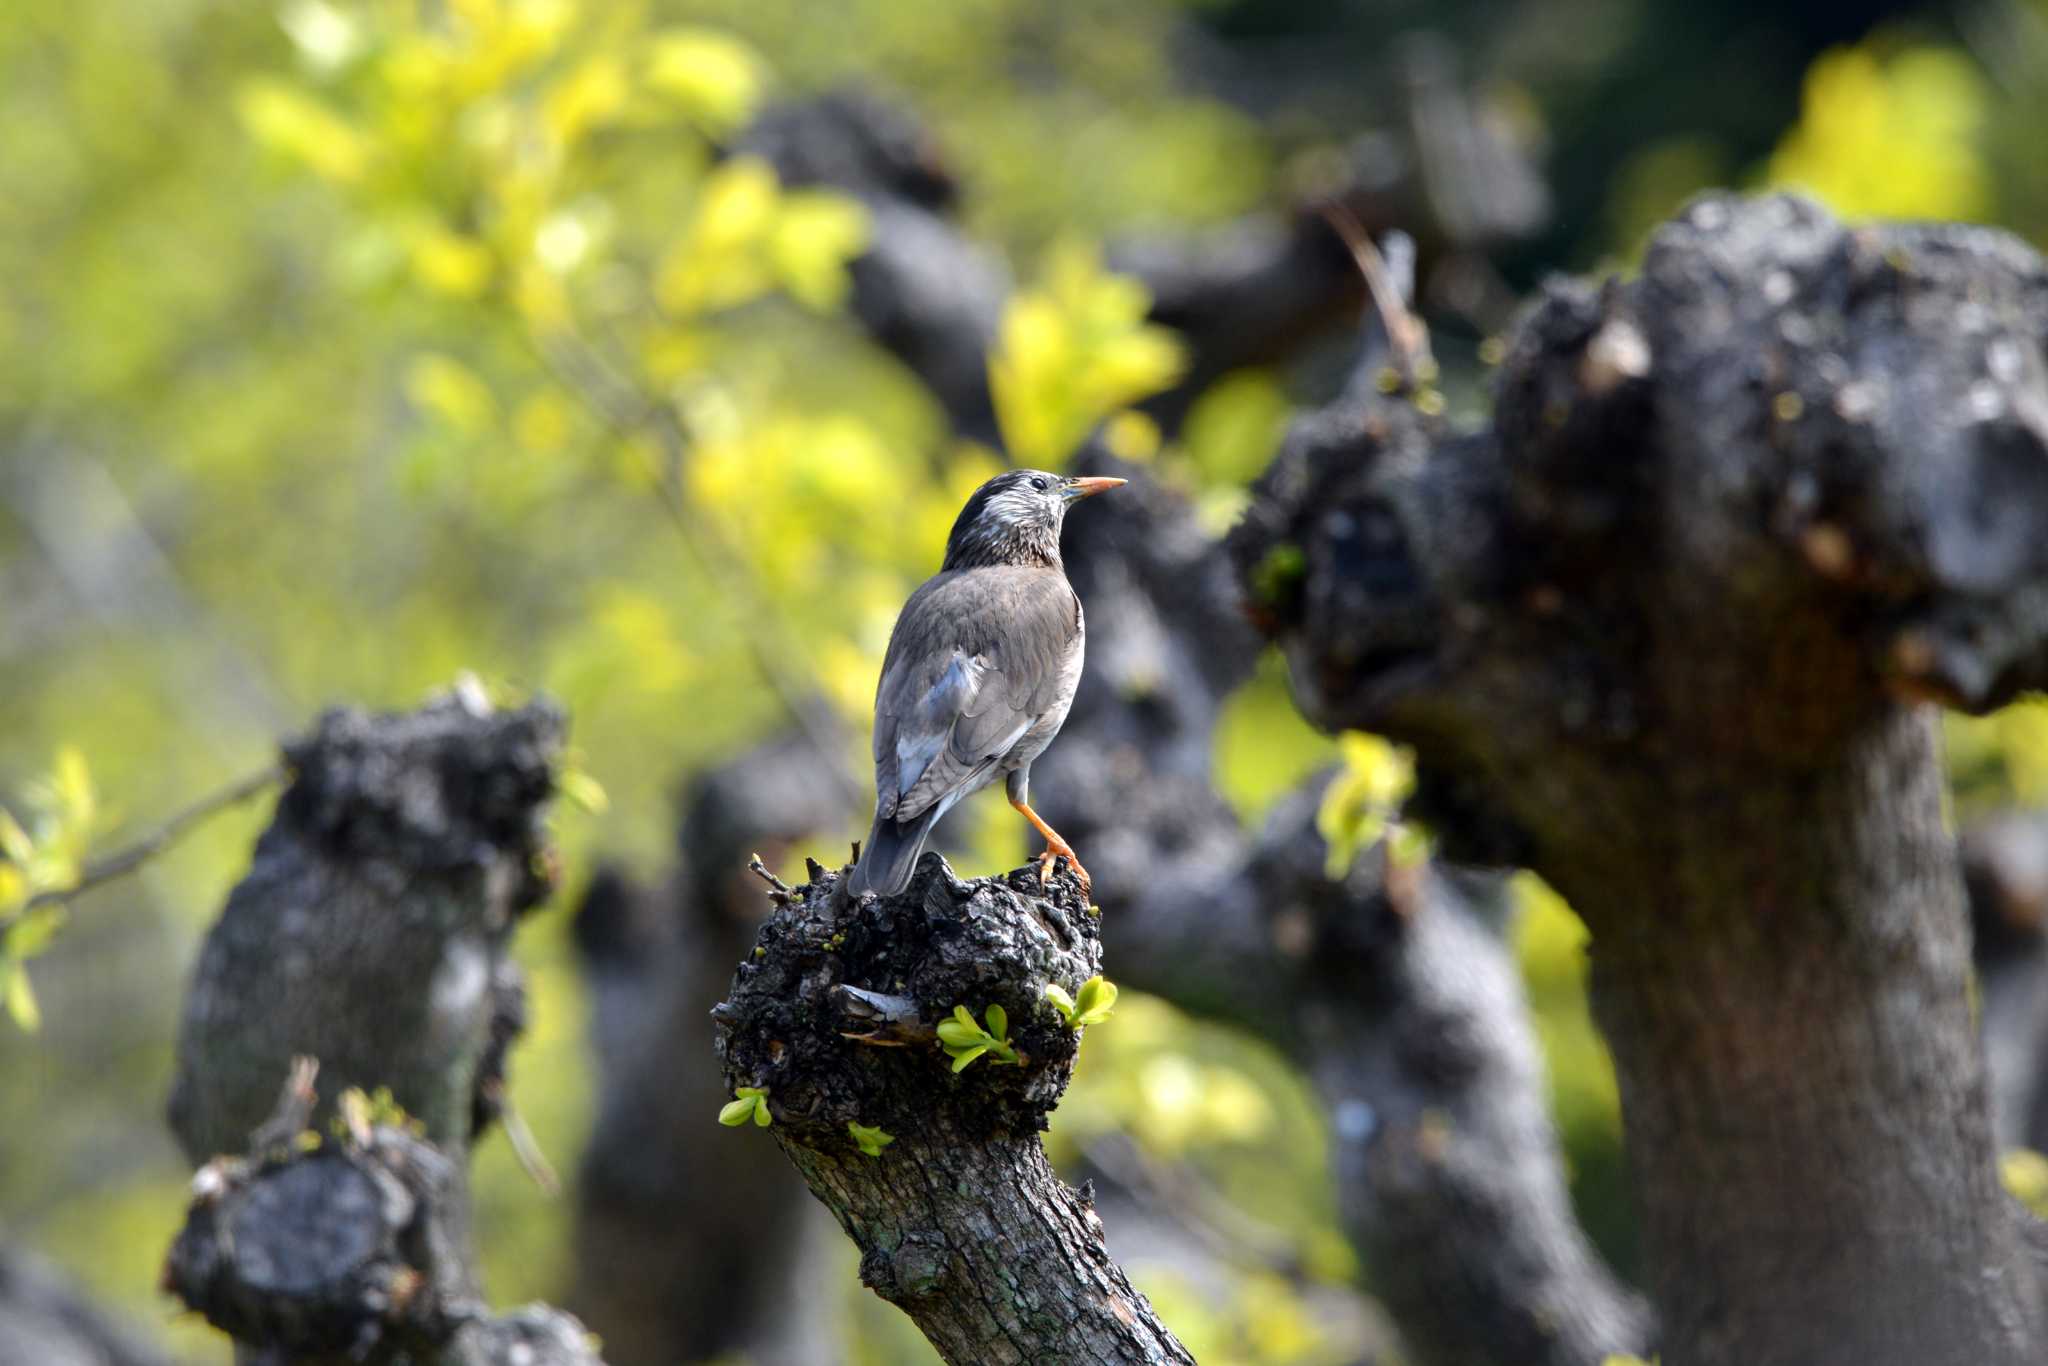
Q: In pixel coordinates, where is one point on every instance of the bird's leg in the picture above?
(1055, 847)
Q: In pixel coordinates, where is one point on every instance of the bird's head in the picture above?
(1015, 518)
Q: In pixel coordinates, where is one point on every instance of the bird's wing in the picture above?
(973, 664)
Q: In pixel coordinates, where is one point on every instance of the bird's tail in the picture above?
(890, 855)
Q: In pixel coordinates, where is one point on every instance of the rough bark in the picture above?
(960, 1222)
(1653, 632)
(372, 933)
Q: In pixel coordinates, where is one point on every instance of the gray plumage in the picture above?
(980, 671)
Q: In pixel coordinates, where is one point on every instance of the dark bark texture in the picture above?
(356, 1250)
(372, 934)
(1656, 632)
(960, 1221)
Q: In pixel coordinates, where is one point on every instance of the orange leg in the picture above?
(1055, 848)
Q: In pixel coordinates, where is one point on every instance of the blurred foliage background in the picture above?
(331, 339)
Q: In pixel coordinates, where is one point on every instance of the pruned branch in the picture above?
(349, 1246)
(1652, 631)
(372, 933)
(960, 1222)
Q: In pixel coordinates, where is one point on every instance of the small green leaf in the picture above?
(998, 1022)
(580, 789)
(965, 1017)
(21, 999)
(32, 933)
(14, 841)
(1408, 844)
(870, 1138)
(958, 1035)
(1097, 999)
(752, 1103)
(966, 1056)
(1062, 1002)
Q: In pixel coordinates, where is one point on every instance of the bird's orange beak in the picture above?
(1088, 486)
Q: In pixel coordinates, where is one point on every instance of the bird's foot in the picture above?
(1048, 859)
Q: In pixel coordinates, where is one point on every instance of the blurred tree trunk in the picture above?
(372, 937)
(661, 1186)
(1657, 633)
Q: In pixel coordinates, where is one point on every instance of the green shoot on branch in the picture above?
(964, 1040)
(752, 1104)
(1096, 1000)
(870, 1138)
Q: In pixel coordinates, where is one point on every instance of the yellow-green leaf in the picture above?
(716, 79)
(21, 999)
(871, 1139)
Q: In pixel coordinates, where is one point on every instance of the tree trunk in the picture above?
(1794, 1036)
(372, 936)
(1657, 633)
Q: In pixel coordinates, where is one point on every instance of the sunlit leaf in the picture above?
(20, 997)
(452, 264)
(449, 390)
(287, 119)
(814, 237)
(32, 934)
(715, 78)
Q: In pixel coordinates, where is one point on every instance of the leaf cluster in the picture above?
(46, 853)
(965, 1040)
(752, 1103)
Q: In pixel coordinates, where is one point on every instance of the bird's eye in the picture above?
(1038, 484)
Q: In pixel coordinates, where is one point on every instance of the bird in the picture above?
(980, 670)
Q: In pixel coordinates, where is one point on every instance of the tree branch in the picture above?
(130, 857)
(372, 933)
(960, 1222)
(1648, 633)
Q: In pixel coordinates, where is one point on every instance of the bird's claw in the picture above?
(1051, 857)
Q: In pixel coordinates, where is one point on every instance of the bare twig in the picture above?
(127, 859)
(295, 1102)
(525, 1146)
(760, 870)
(1406, 335)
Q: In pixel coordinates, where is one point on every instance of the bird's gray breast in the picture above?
(1067, 680)
(981, 670)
